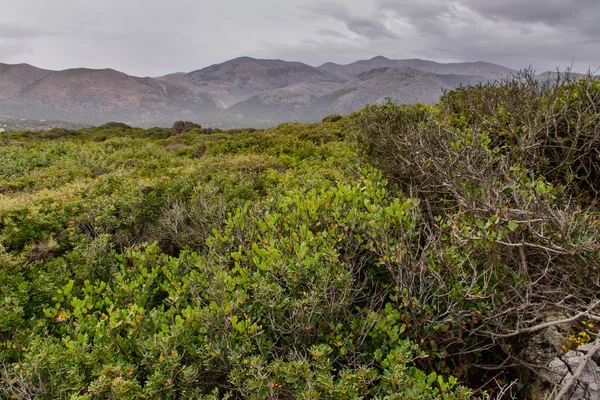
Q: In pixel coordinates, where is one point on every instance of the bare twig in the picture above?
(544, 325)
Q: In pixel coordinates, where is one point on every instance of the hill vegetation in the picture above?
(399, 252)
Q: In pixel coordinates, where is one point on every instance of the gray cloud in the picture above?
(331, 33)
(578, 15)
(550, 12)
(11, 31)
(425, 10)
(581, 15)
(154, 37)
(369, 29)
(545, 33)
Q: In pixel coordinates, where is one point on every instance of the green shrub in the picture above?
(184, 126)
(332, 118)
(112, 126)
(286, 303)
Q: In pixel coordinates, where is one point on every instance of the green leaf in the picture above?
(512, 225)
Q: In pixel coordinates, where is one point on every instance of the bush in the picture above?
(507, 187)
(115, 126)
(549, 126)
(180, 127)
(332, 118)
(56, 133)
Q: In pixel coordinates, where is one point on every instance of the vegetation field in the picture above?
(400, 252)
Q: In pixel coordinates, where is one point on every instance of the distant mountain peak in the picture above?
(380, 58)
(242, 58)
(242, 78)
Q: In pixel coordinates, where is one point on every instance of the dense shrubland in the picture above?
(399, 252)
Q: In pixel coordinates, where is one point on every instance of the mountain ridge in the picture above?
(486, 70)
(241, 91)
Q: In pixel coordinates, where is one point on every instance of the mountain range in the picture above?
(240, 92)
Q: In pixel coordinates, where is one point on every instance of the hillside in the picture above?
(97, 96)
(401, 85)
(305, 102)
(14, 78)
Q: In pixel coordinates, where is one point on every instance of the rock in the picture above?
(543, 347)
(545, 350)
(562, 368)
(590, 347)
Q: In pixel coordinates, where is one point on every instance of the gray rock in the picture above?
(562, 368)
(546, 345)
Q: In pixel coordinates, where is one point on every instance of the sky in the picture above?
(156, 37)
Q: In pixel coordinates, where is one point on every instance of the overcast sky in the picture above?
(155, 37)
